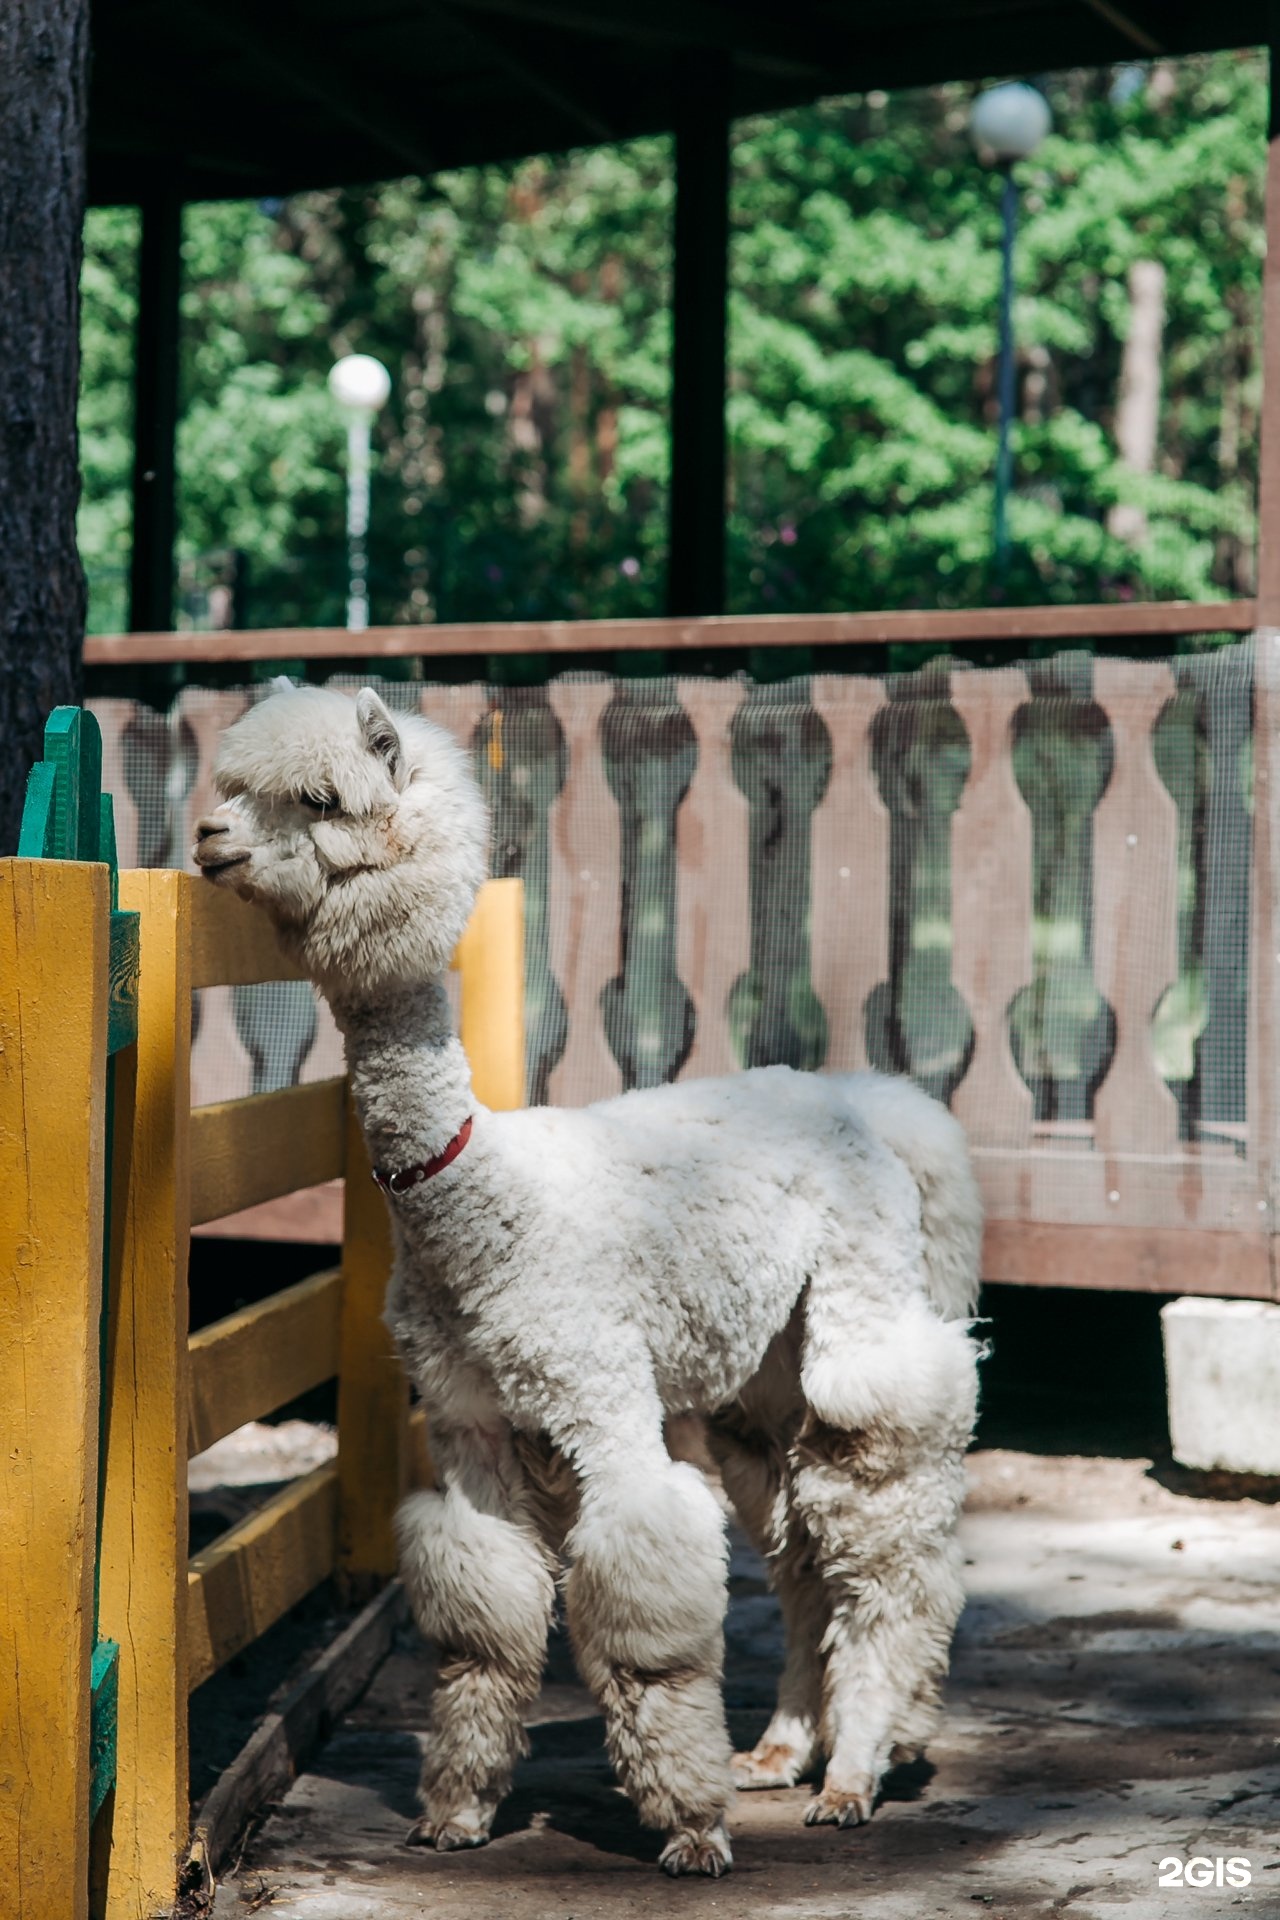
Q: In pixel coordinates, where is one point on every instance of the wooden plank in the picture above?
(1128, 1259)
(928, 627)
(313, 1216)
(373, 1394)
(233, 944)
(253, 1361)
(1073, 1185)
(122, 984)
(254, 1573)
(991, 906)
(280, 1746)
(584, 897)
(1135, 907)
(53, 1055)
(245, 1151)
(713, 877)
(849, 870)
(144, 1513)
(490, 959)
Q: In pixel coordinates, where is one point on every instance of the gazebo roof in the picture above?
(233, 98)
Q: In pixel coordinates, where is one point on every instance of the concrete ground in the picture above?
(1114, 1705)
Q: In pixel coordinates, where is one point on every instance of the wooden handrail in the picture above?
(1130, 620)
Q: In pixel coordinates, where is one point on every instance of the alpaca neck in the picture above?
(409, 1075)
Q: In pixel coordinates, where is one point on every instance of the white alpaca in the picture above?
(791, 1255)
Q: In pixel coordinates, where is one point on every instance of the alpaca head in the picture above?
(362, 834)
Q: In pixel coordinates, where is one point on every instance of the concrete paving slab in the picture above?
(1114, 1704)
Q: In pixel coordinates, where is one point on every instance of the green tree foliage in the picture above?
(523, 312)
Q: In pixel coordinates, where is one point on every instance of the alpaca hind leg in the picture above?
(756, 1478)
(884, 1531)
(645, 1603)
(481, 1586)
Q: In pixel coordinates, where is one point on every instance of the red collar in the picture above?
(406, 1177)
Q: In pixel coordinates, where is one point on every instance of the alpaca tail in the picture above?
(932, 1146)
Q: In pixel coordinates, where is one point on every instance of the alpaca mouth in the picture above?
(212, 868)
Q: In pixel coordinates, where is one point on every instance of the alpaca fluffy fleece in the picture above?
(792, 1256)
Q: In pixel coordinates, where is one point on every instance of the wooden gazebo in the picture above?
(228, 100)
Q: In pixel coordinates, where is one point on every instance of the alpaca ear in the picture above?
(379, 731)
(281, 683)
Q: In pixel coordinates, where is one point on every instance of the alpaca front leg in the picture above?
(481, 1586)
(645, 1601)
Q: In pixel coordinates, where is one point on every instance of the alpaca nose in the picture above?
(207, 828)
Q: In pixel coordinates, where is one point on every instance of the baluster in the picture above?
(1135, 908)
(1223, 683)
(991, 890)
(114, 718)
(713, 877)
(849, 870)
(207, 715)
(459, 710)
(221, 1066)
(585, 896)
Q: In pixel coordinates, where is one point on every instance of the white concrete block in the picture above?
(1222, 1365)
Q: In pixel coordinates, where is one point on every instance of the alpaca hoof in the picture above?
(840, 1807)
(446, 1836)
(706, 1851)
(767, 1766)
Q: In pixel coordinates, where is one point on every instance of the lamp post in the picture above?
(361, 386)
(1007, 124)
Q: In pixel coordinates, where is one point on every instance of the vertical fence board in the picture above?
(1135, 908)
(490, 957)
(991, 906)
(585, 896)
(144, 1522)
(849, 868)
(713, 877)
(53, 1056)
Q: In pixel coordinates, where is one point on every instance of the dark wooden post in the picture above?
(1269, 451)
(155, 419)
(696, 559)
(1263, 1058)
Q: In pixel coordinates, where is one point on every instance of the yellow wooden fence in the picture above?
(177, 1620)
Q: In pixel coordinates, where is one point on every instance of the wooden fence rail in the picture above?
(166, 1394)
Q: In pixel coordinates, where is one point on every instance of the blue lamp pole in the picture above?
(1007, 124)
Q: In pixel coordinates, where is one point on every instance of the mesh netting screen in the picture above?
(1028, 888)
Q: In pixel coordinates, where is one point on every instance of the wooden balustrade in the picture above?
(1128, 1165)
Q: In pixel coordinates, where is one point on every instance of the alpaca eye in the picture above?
(320, 800)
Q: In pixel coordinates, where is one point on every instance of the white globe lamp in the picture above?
(361, 386)
(1009, 122)
(359, 383)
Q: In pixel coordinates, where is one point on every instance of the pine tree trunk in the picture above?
(1138, 408)
(43, 49)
